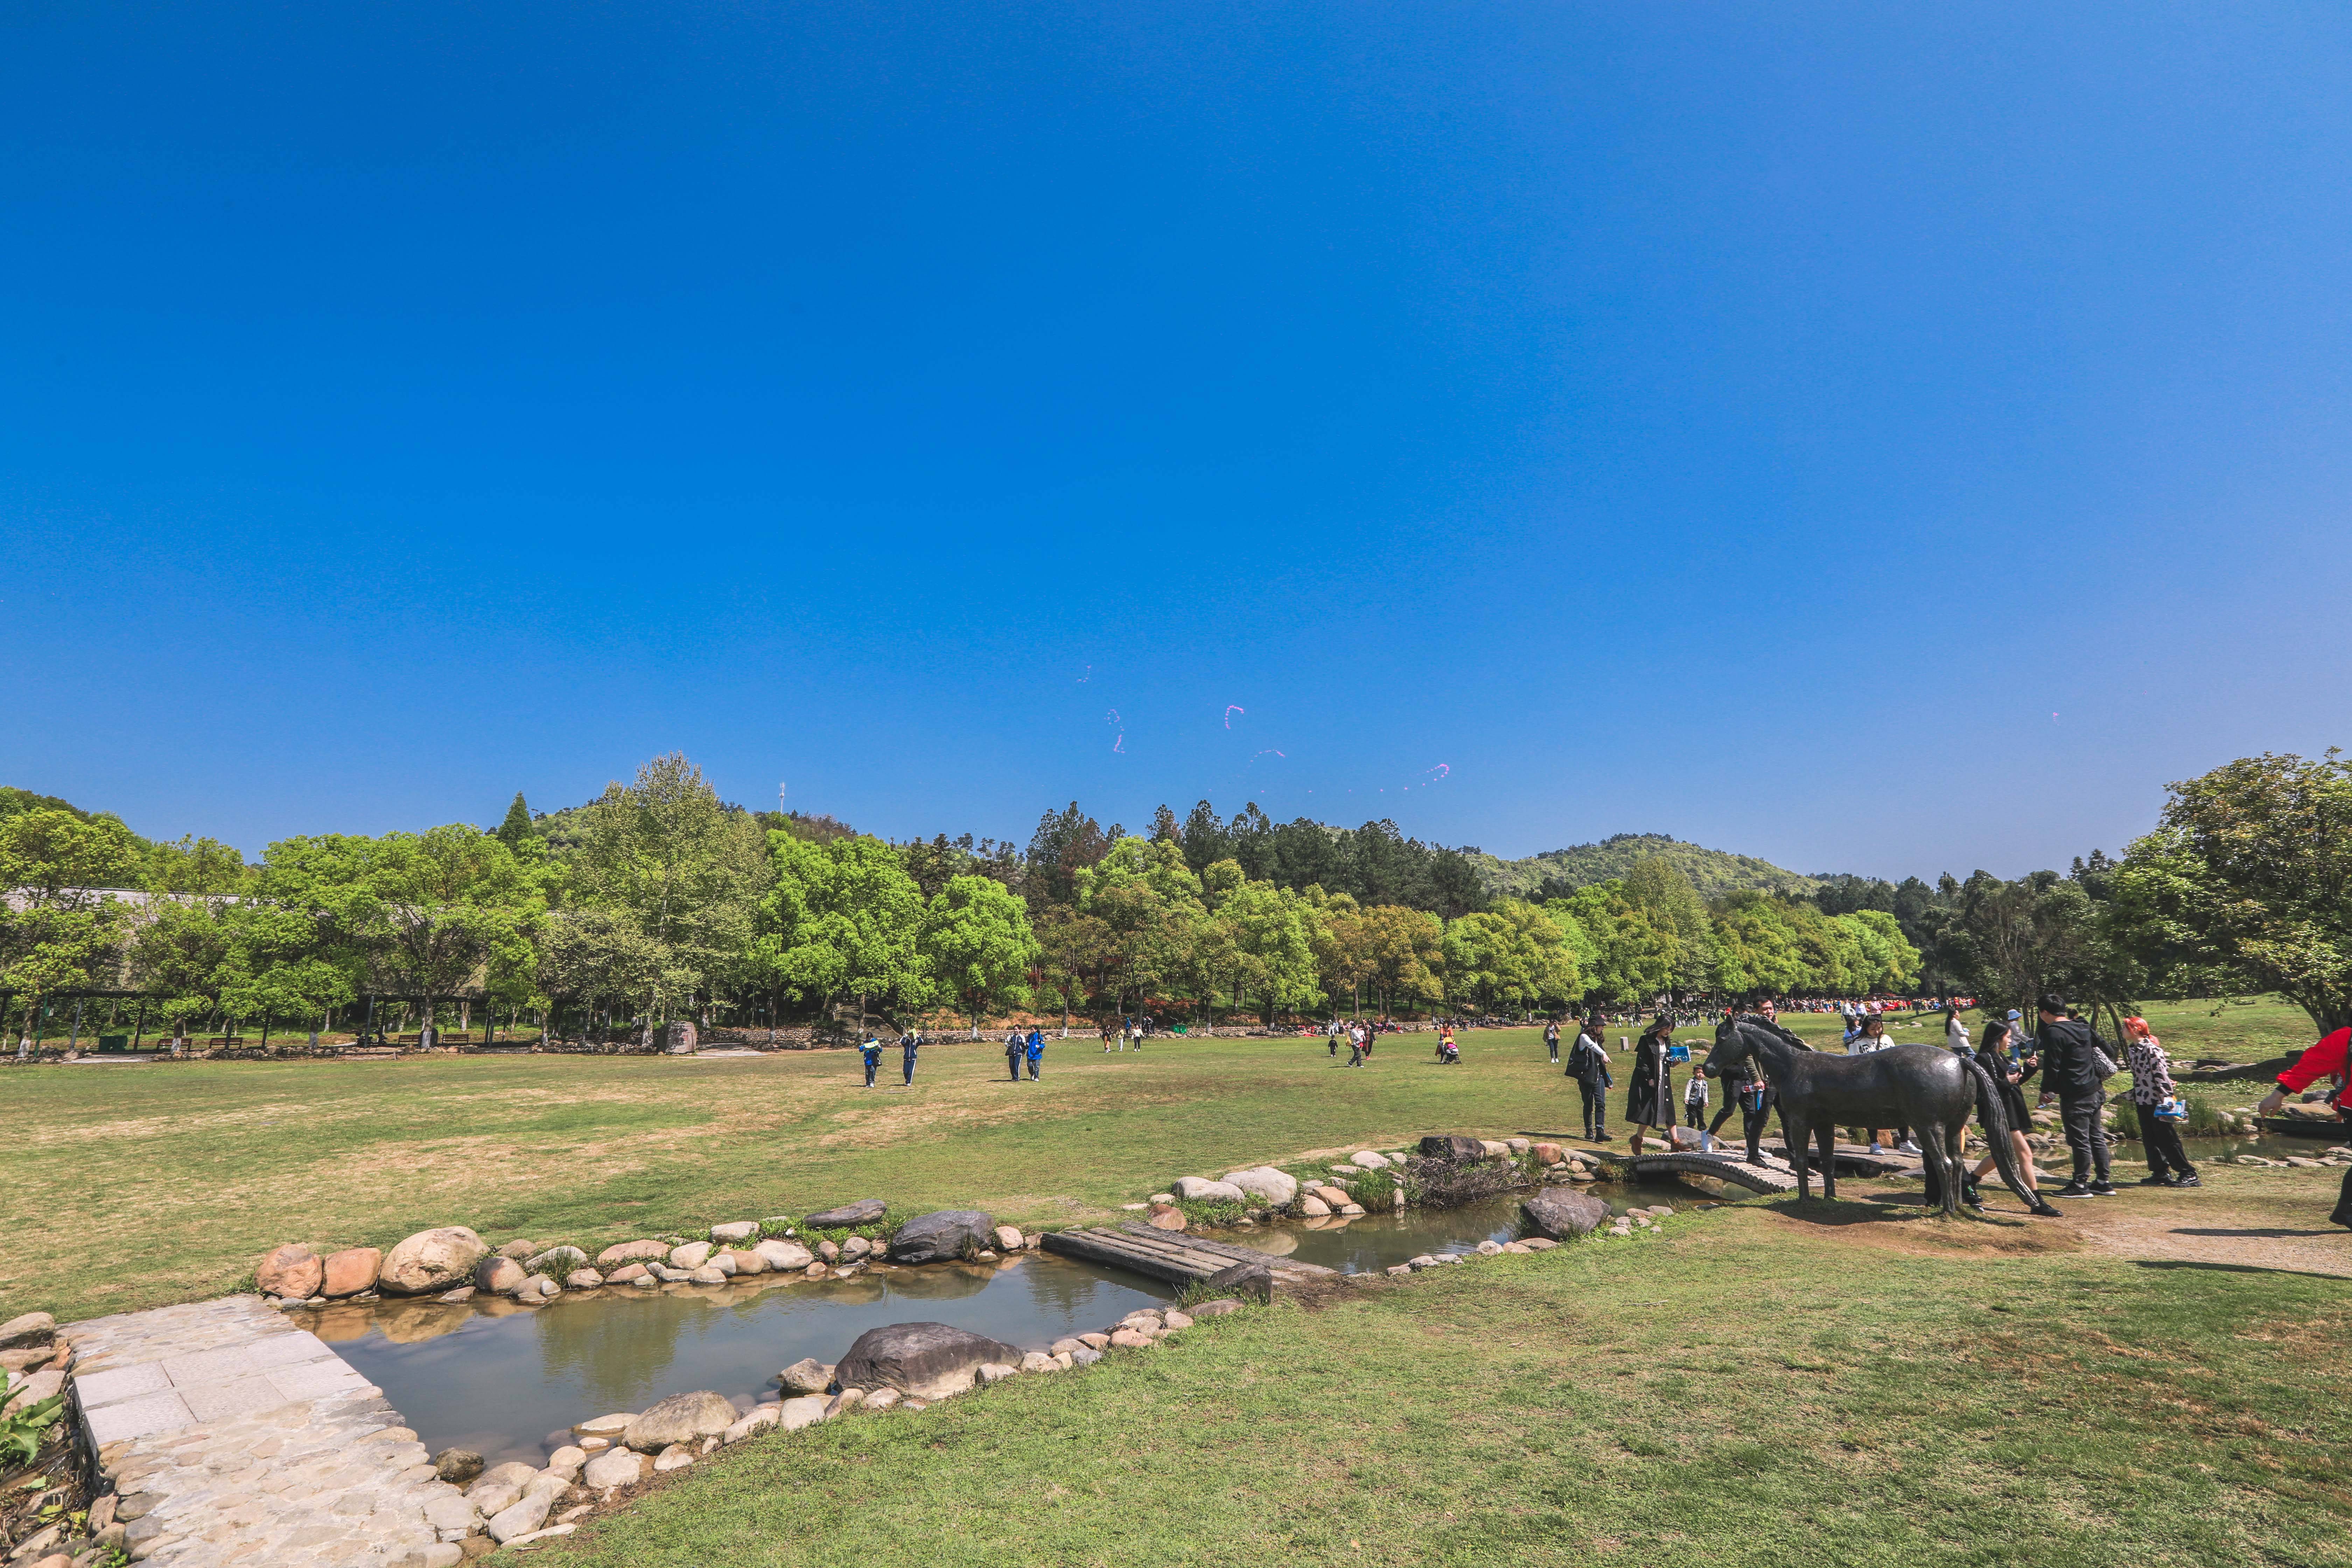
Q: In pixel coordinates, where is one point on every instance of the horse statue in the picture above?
(1927, 1089)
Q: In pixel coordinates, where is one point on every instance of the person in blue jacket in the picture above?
(871, 1050)
(1036, 1052)
(910, 1044)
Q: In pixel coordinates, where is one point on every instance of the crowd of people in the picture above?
(2063, 1050)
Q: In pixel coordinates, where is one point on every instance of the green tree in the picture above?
(517, 825)
(2249, 874)
(1659, 888)
(435, 915)
(59, 926)
(977, 942)
(843, 919)
(1515, 953)
(1406, 949)
(689, 870)
(195, 866)
(1635, 958)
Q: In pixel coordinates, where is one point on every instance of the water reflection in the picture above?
(501, 1378)
(1369, 1243)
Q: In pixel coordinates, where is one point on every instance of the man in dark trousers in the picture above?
(2067, 1066)
(2325, 1059)
(909, 1044)
(1013, 1049)
(1036, 1052)
(871, 1050)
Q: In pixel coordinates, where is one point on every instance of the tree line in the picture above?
(658, 901)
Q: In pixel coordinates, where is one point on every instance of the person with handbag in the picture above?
(2328, 1059)
(1588, 1064)
(2073, 1064)
(2156, 1100)
(2011, 1064)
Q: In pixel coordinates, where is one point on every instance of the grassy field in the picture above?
(2154, 1379)
(182, 1176)
(1758, 1386)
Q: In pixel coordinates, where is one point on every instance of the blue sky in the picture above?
(1880, 438)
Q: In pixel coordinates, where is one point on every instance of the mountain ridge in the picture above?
(1712, 871)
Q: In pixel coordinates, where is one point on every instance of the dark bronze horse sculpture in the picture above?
(1927, 1089)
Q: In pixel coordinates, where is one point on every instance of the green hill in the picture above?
(1711, 871)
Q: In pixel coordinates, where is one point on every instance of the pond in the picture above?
(509, 1381)
(1369, 1243)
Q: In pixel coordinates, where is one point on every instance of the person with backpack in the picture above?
(2073, 1064)
(871, 1050)
(1588, 1064)
(2153, 1095)
(2327, 1059)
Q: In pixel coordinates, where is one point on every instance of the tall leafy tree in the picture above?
(977, 942)
(689, 869)
(2249, 874)
(843, 919)
(59, 924)
(1066, 842)
(517, 825)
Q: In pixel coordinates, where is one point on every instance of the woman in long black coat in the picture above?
(1650, 1095)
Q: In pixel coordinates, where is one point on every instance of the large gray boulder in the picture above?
(1276, 1187)
(680, 1418)
(938, 1237)
(921, 1361)
(1563, 1213)
(865, 1211)
(431, 1261)
(1205, 1189)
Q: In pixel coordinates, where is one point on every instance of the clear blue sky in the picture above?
(1888, 438)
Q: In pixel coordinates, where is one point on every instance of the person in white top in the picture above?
(1874, 1038)
(1956, 1034)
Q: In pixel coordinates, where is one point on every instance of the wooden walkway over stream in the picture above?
(1169, 1254)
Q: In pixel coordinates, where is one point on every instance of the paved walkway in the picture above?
(234, 1437)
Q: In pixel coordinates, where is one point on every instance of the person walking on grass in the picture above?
(1551, 1040)
(2325, 1059)
(2072, 1062)
(2009, 1060)
(1036, 1052)
(1013, 1051)
(1355, 1045)
(871, 1050)
(2152, 1092)
(1694, 1106)
(908, 1043)
(1588, 1064)
(1650, 1094)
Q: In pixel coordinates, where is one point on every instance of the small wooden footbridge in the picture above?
(1729, 1163)
(1170, 1255)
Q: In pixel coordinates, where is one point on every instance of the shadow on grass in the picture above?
(2323, 1230)
(2235, 1268)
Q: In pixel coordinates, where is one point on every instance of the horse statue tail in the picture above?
(1995, 1119)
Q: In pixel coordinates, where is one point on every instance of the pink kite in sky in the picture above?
(1232, 709)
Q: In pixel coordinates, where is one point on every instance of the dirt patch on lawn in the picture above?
(2267, 1223)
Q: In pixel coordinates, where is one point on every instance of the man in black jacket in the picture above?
(2067, 1047)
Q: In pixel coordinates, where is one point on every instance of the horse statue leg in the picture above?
(1796, 1134)
(1936, 1165)
(1828, 1136)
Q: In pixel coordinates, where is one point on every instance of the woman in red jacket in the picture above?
(2324, 1059)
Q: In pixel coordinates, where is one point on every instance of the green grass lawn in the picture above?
(1765, 1384)
(179, 1177)
(1750, 1387)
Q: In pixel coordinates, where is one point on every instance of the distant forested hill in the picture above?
(1711, 871)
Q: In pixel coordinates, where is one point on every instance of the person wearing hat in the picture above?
(1650, 1095)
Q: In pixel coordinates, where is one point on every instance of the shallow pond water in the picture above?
(508, 1381)
(1369, 1243)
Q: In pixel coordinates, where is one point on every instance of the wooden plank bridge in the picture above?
(1170, 1255)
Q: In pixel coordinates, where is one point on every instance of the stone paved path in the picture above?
(234, 1437)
